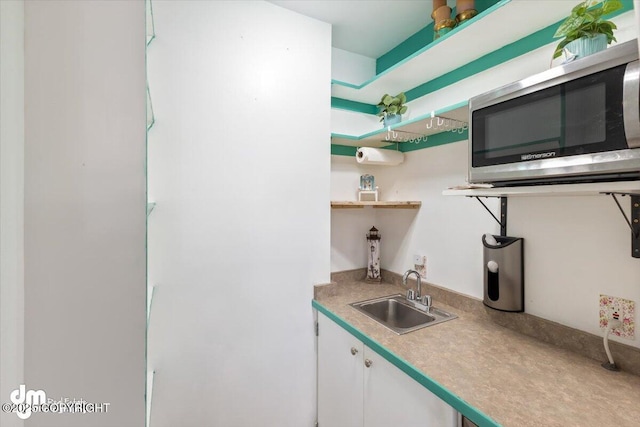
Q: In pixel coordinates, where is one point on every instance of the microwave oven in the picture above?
(578, 122)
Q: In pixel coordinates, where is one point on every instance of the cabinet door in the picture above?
(392, 398)
(340, 369)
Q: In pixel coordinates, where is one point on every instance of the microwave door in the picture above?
(522, 137)
(630, 104)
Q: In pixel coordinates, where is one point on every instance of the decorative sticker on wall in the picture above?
(622, 309)
(420, 265)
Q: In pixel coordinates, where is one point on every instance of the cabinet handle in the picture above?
(368, 362)
(354, 351)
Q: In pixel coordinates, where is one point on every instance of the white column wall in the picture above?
(11, 202)
(239, 165)
(85, 208)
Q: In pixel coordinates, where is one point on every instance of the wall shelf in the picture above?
(384, 205)
(151, 31)
(586, 189)
(624, 188)
(150, 117)
(150, 291)
(456, 49)
(413, 130)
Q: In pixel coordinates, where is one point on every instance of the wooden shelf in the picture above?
(464, 44)
(385, 205)
(411, 129)
(586, 189)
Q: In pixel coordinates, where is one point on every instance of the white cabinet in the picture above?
(340, 376)
(358, 387)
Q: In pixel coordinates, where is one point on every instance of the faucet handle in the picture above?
(411, 295)
(426, 300)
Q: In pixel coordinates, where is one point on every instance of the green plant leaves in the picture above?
(571, 24)
(586, 21)
(392, 104)
(611, 6)
(387, 99)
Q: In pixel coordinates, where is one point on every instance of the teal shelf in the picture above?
(450, 120)
(150, 291)
(151, 30)
(501, 32)
(150, 36)
(150, 117)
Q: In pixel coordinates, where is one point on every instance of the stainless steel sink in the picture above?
(398, 314)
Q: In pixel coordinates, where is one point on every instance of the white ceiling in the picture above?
(367, 27)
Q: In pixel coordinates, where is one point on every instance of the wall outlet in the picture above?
(420, 265)
(624, 310)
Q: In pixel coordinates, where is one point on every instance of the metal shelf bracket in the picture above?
(634, 222)
(503, 213)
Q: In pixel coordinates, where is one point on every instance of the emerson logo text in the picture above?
(537, 156)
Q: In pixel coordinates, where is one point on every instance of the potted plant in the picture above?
(585, 31)
(392, 108)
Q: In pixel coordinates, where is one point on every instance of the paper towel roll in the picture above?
(378, 156)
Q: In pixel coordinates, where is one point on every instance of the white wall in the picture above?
(575, 247)
(85, 208)
(348, 241)
(239, 164)
(349, 67)
(11, 202)
(445, 229)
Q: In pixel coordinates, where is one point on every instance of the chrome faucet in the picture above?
(410, 294)
(416, 296)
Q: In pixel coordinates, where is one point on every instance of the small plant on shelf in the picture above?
(391, 108)
(586, 22)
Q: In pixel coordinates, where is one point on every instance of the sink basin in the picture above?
(401, 316)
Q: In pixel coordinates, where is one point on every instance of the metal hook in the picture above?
(388, 138)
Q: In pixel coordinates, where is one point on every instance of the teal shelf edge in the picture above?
(360, 107)
(150, 207)
(150, 292)
(150, 24)
(460, 405)
(417, 41)
(517, 48)
(433, 140)
(425, 48)
(151, 119)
